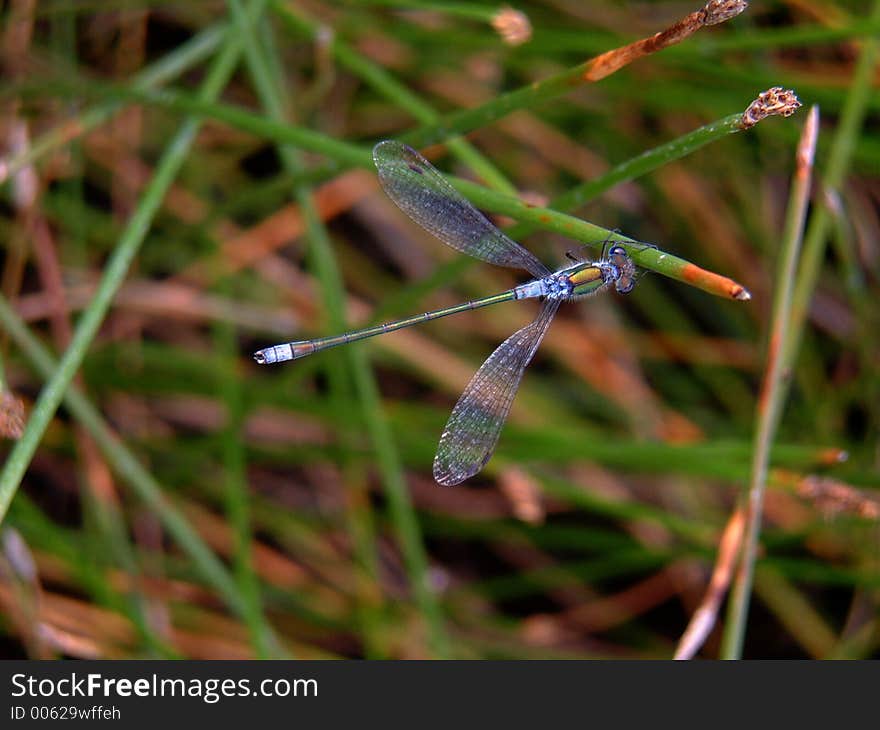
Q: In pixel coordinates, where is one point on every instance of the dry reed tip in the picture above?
(512, 25)
(718, 11)
(807, 146)
(713, 12)
(777, 100)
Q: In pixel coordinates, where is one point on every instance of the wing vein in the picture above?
(472, 430)
(421, 192)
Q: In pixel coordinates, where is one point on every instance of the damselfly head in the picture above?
(626, 269)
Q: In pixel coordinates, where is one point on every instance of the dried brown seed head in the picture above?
(775, 101)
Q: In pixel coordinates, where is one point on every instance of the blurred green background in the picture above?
(188, 182)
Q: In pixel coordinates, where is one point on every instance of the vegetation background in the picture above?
(188, 182)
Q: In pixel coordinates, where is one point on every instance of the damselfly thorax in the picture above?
(584, 279)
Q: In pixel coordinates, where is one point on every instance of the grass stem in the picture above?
(772, 395)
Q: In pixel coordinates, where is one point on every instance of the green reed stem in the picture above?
(403, 515)
(170, 66)
(53, 393)
(58, 385)
(526, 97)
(387, 85)
(237, 499)
(346, 153)
(772, 394)
(647, 257)
(646, 162)
(846, 136)
(267, 78)
(126, 465)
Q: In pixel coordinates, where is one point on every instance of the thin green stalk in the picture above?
(646, 162)
(169, 67)
(113, 548)
(645, 256)
(790, 35)
(266, 77)
(343, 153)
(218, 74)
(108, 546)
(370, 605)
(403, 515)
(342, 372)
(402, 96)
(53, 393)
(126, 465)
(526, 97)
(839, 158)
(237, 500)
(271, 96)
(589, 71)
(795, 611)
(346, 153)
(772, 395)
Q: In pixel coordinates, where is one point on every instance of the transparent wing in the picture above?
(422, 193)
(473, 428)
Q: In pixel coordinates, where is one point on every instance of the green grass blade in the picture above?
(126, 465)
(403, 515)
(771, 399)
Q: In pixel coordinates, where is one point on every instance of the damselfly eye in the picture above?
(625, 285)
(617, 251)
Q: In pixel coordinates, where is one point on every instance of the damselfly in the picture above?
(472, 431)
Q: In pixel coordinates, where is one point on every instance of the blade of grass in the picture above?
(403, 515)
(570, 79)
(635, 167)
(772, 396)
(839, 158)
(50, 398)
(267, 76)
(170, 66)
(392, 89)
(237, 501)
(795, 612)
(645, 256)
(129, 468)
